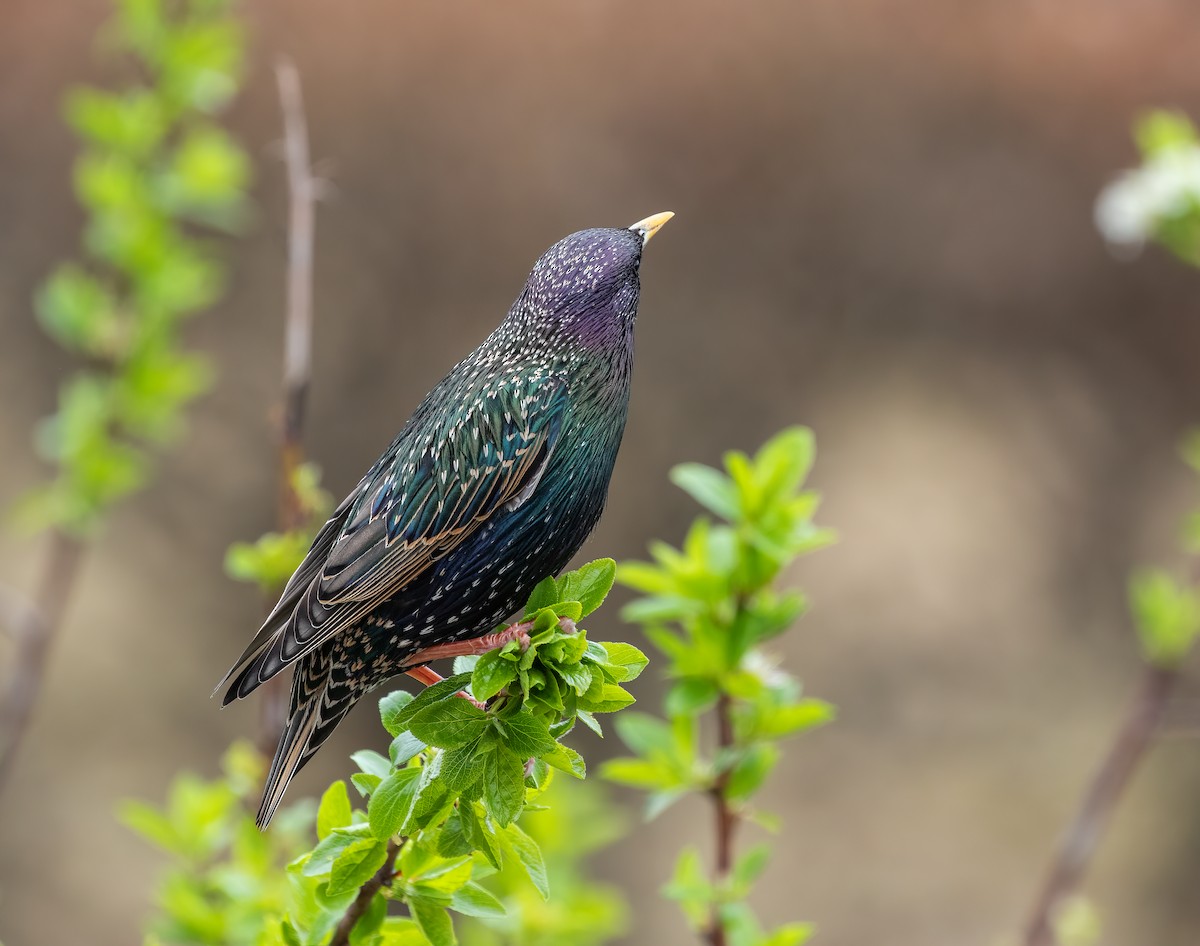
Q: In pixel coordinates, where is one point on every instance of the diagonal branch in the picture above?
(1079, 843)
(366, 894)
(297, 341)
(33, 626)
(726, 817)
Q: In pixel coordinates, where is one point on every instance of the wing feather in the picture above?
(419, 502)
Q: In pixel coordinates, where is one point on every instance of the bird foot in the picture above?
(480, 645)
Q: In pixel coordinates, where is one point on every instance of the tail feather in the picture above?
(316, 710)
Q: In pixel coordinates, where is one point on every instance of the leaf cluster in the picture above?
(271, 559)
(155, 169)
(709, 607)
(226, 883)
(468, 756)
(1166, 608)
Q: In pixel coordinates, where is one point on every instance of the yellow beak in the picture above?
(651, 225)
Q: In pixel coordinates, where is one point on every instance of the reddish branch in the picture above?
(726, 816)
(1079, 844)
(33, 626)
(383, 877)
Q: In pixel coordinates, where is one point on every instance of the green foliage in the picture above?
(270, 560)
(1160, 200)
(1167, 617)
(709, 607)
(574, 819)
(439, 832)
(226, 884)
(1076, 923)
(468, 755)
(154, 169)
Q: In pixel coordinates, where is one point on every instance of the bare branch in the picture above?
(302, 190)
(34, 626)
(297, 340)
(1096, 807)
(726, 817)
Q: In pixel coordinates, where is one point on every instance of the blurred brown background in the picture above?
(884, 231)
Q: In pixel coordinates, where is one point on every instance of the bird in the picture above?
(493, 484)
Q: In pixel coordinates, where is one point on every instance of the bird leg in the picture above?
(478, 645)
(425, 675)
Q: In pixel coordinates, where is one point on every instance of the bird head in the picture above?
(586, 284)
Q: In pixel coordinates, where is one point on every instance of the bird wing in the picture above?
(418, 503)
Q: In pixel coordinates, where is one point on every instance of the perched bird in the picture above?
(493, 484)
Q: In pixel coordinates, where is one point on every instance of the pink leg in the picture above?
(479, 645)
(425, 675)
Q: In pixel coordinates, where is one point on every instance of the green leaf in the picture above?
(389, 710)
(526, 735)
(404, 747)
(1163, 130)
(797, 718)
(473, 900)
(645, 734)
(626, 658)
(589, 585)
(710, 488)
(334, 810)
(566, 759)
(503, 785)
(433, 920)
(449, 723)
(480, 834)
(611, 699)
(1167, 616)
(462, 767)
(357, 864)
(750, 866)
(320, 861)
(371, 762)
(544, 595)
(365, 783)
(641, 773)
(691, 696)
(492, 674)
(452, 840)
(750, 770)
(390, 802)
(441, 690)
(530, 857)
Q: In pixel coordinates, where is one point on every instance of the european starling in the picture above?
(493, 484)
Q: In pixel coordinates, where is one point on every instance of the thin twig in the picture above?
(34, 625)
(726, 817)
(1075, 850)
(297, 342)
(366, 894)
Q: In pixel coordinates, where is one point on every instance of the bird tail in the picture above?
(316, 709)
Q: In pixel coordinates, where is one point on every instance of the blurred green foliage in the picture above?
(226, 883)
(270, 560)
(156, 170)
(709, 607)
(1159, 200)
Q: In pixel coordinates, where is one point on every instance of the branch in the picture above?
(726, 816)
(1096, 807)
(366, 894)
(34, 626)
(297, 342)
